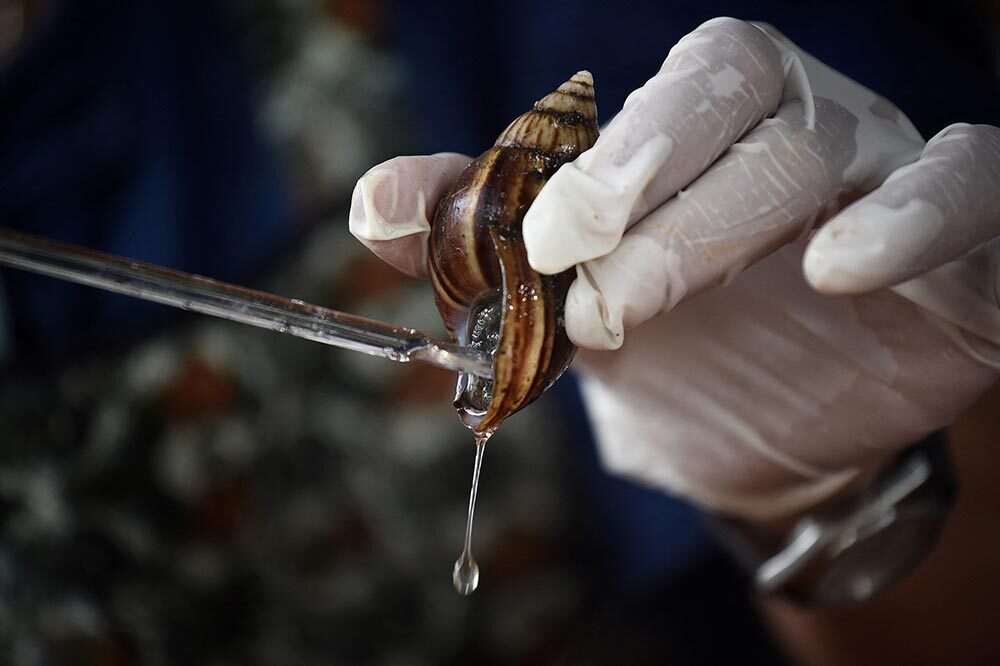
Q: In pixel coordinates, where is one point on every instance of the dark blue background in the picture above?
(473, 65)
(128, 127)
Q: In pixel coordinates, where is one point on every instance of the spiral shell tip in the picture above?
(581, 85)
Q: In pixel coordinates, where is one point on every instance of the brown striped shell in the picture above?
(487, 294)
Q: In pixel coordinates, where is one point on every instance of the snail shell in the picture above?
(488, 295)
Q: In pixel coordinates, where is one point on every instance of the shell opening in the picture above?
(483, 333)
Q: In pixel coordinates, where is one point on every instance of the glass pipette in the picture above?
(247, 306)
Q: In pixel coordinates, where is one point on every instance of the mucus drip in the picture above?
(465, 575)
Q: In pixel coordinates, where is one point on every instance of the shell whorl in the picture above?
(562, 121)
(487, 293)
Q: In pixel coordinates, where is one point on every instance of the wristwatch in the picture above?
(847, 551)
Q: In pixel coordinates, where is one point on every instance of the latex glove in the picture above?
(797, 140)
(764, 397)
(393, 204)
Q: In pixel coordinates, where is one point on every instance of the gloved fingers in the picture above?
(753, 398)
(884, 137)
(767, 190)
(393, 202)
(716, 83)
(676, 456)
(926, 214)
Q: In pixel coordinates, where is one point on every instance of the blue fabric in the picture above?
(474, 67)
(128, 127)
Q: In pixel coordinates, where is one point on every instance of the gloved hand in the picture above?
(765, 396)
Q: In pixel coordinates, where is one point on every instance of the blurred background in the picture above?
(180, 490)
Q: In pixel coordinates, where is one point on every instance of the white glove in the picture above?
(765, 396)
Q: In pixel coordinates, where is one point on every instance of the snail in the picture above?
(488, 295)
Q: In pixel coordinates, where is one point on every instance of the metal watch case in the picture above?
(847, 552)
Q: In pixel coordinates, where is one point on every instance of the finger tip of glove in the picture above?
(823, 275)
(831, 276)
(886, 238)
(547, 239)
(585, 332)
(395, 198)
(590, 323)
(391, 223)
(357, 219)
(365, 221)
(566, 225)
(545, 252)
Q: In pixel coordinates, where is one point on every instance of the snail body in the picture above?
(488, 295)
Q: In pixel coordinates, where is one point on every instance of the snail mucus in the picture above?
(488, 295)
